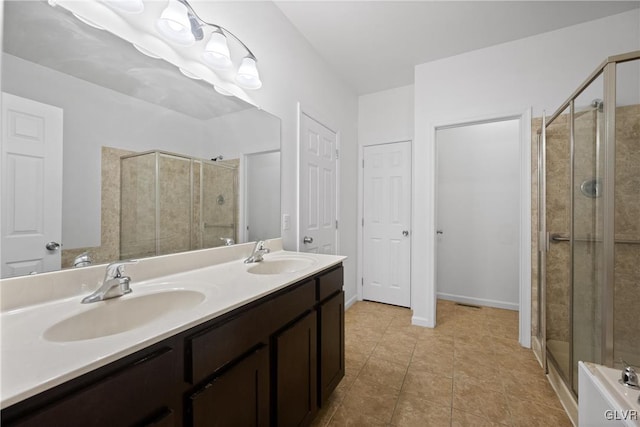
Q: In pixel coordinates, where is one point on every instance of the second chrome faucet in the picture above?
(259, 250)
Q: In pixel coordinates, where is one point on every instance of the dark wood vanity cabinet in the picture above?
(137, 390)
(272, 362)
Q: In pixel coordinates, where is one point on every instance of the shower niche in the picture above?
(173, 203)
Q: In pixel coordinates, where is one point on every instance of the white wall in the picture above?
(231, 136)
(293, 73)
(539, 72)
(386, 116)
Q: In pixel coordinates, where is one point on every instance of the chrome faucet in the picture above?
(258, 251)
(114, 283)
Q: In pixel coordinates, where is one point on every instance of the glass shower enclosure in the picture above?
(173, 203)
(589, 227)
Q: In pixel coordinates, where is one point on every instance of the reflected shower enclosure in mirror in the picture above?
(117, 102)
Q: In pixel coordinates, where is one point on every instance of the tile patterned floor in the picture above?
(468, 371)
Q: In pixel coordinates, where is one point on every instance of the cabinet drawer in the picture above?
(137, 394)
(213, 348)
(330, 283)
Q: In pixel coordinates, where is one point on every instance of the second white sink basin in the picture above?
(122, 314)
(281, 265)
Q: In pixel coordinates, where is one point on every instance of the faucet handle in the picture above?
(116, 269)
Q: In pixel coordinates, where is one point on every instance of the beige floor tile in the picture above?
(467, 371)
(432, 387)
(480, 401)
(371, 398)
(412, 411)
(344, 417)
(464, 381)
(466, 419)
(384, 372)
(394, 353)
(526, 414)
(438, 363)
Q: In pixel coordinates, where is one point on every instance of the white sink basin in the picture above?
(281, 265)
(122, 314)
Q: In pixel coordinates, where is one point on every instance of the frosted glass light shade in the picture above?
(248, 76)
(128, 6)
(216, 52)
(174, 24)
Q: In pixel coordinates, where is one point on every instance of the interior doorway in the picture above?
(477, 213)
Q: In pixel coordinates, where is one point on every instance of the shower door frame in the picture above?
(608, 71)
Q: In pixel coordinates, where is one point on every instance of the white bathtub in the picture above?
(603, 401)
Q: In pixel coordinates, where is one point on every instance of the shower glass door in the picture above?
(588, 226)
(557, 217)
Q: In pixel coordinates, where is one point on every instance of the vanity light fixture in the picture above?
(180, 24)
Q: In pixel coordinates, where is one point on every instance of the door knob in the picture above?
(405, 233)
(439, 232)
(52, 246)
(307, 239)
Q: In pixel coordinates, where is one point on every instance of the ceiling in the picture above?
(375, 45)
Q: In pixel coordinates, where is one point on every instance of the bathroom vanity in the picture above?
(264, 348)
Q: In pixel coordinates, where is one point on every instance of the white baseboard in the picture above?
(422, 321)
(478, 301)
(350, 302)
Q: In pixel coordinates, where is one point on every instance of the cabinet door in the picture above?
(140, 393)
(239, 396)
(331, 351)
(296, 373)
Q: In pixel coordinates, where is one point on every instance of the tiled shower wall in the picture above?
(627, 227)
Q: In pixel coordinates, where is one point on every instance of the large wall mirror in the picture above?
(152, 160)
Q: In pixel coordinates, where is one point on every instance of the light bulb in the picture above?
(174, 24)
(248, 76)
(216, 52)
(128, 6)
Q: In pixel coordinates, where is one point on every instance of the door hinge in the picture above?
(362, 281)
(363, 221)
(337, 154)
(336, 224)
(363, 163)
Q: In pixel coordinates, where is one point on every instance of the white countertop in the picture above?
(31, 364)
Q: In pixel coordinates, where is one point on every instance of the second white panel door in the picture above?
(387, 219)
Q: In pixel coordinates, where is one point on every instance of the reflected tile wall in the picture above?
(109, 250)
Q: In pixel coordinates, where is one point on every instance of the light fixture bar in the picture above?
(222, 29)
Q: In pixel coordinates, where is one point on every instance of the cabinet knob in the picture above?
(307, 239)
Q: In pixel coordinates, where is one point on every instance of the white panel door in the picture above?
(317, 187)
(387, 219)
(31, 186)
(478, 197)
